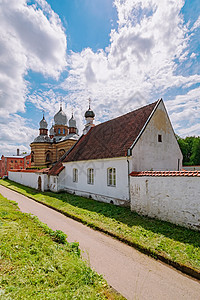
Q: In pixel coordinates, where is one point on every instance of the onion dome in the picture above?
(43, 123)
(51, 131)
(60, 118)
(72, 122)
(89, 113)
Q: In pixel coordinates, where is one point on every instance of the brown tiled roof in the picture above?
(56, 169)
(112, 138)
(166, 173)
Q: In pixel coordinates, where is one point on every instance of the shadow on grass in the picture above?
(122, 215)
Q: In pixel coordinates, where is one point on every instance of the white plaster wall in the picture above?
(173, 199)
(28, 179)
(53, 183)
(57, 183)
(149, 154)
(99, 190)
(44, 178)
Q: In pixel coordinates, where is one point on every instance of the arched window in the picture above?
(111, 177)
(32, 156)
(48, 156)
(75, 175)
(90, 176)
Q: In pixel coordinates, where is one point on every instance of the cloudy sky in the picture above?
(122, 54)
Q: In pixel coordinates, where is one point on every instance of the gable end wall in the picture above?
(149, 154)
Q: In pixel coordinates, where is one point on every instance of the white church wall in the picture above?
(100, 191)
(173, 199)
(29, 179)
(149, 153)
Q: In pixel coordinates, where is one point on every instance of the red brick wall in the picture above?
(13, 163)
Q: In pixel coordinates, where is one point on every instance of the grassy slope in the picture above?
(33, 266)
(173, 242)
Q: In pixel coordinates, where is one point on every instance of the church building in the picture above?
(47, 149)
(99, 164)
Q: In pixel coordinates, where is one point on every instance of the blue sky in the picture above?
(121, 53)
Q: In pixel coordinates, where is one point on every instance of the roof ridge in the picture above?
(135, 110)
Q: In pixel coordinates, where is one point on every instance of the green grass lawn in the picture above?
(175, 243)
(38, 263)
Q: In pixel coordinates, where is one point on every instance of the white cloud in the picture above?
(140, 63)
(15, 133)
(143, 62)
(193, 55)
(196, 24)
(184, 111)
(30, 39)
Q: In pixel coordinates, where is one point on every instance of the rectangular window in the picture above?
(16, 161)
(111, 177)
(75, 175)
(160, 138)
(90, 176)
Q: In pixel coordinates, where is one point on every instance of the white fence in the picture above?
(30, 179)
(174, 199)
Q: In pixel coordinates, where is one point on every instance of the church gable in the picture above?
(157, 147)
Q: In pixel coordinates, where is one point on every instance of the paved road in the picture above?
(134, 275)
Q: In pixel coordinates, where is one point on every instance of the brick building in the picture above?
(14, 162)
(47, 149)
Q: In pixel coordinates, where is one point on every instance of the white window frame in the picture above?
(90, 176)
(111, 177)
(75, 175)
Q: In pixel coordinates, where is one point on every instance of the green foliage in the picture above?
(195, 156)
(177, 243)
(34, 266)
(190, 147)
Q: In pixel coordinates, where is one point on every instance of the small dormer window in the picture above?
(160, 138)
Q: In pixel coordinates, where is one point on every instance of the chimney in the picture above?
(17, 152)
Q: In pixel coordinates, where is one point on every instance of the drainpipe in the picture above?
(129, 152)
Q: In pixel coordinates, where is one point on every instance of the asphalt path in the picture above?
(131, 273)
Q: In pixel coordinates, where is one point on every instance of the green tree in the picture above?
(195, 157)
(190, 147)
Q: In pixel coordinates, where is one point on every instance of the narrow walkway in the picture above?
(133, 274)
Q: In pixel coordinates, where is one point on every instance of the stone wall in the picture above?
(29, 179)
(173, 199)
